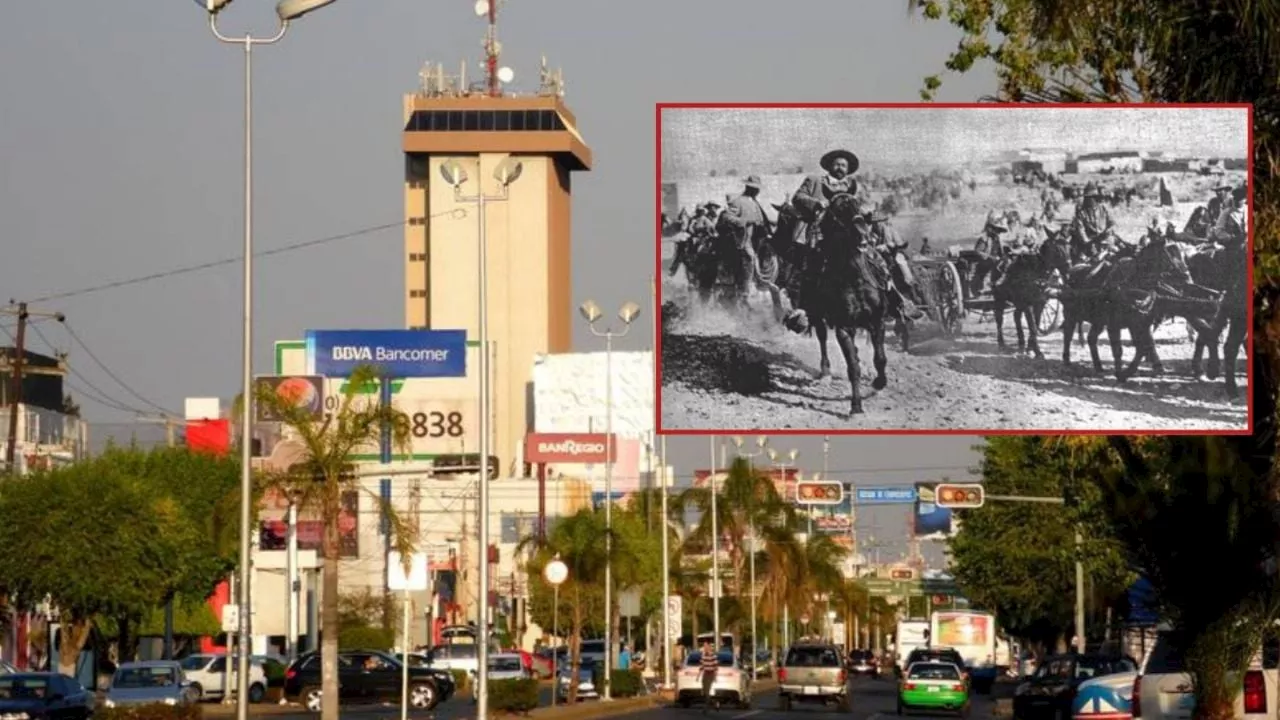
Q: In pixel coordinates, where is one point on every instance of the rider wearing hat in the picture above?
(1232, 227)
(1093, 227)
(701, 225)
(992, 239)
(1220, 201)
(744, 221)
(894, 248)
(816, 191)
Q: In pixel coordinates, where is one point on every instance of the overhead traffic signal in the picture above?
(819, 492)
(959, 496)
(902, 574)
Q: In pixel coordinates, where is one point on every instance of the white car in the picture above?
(507, 666)
(1163, 691)
(457, 656)
(208, 676)
(732, 684)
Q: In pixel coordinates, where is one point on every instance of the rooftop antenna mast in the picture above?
(495, 76)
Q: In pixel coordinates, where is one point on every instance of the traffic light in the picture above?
(969, 496)
(902, 574)
(820, 492)
(213, 7)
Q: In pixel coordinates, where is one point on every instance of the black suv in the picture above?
(366, 676)
(936, 655)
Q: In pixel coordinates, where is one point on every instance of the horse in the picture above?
(1109, 302)
(701, 265)
(1022, 286)
(851, 290)
(1222, 269)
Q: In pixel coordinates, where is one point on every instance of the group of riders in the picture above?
(740, 227)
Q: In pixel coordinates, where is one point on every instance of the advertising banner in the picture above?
(398, 353)
(303, 391)
(931, 522)
(570, 448)
(961, 629)
(274, 527)
(440, 422)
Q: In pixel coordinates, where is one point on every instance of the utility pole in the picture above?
(15, 387)
(17, 365)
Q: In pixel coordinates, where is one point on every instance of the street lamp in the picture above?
(787, 464)
(287, 11)
(761, 442)
(507, 172)
(627, 314)
(555, 573)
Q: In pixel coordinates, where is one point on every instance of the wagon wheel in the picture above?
(951, 300)
(1050, 316)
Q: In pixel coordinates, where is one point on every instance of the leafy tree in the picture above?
(580, 541)
(89, 538)
(319, 481)
(1018, 559)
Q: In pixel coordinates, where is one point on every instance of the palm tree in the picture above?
(320, 479)
(579, 541)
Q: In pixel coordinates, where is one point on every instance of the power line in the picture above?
(100, 398)
(186, 269)
(109, 372)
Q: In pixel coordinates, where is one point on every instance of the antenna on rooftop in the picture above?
(492, 48)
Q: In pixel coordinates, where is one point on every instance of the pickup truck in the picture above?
(813, 673)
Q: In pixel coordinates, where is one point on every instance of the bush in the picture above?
(625, 683)
(365, 637)
(461, 680)
(515, 696)
(154, 711)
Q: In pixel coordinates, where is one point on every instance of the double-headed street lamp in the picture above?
(627, 314)
(287, 11)
(761, 443)
(507, 172)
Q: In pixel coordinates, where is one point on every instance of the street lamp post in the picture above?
(627, 314)
(666, 575)
(507, 172)
(787, 464)
(761, 442)
(555, 573)
(287, 11)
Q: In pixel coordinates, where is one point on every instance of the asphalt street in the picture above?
(872, 700)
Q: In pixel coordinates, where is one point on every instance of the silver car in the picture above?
(586, 682)
(149, 682)
(507, 666)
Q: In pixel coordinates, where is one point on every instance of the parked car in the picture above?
(543, 663)
(1051, 691)
(459, 656)
(151, 681)
(367, 676)
(864, 662)
(507, 666)
(586, 682)
(932, 685)
(813, 673)
(1163, 690)
(210, 681)
(44, 695)
(731, 686)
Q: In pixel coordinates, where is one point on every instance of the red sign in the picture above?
(566, 448)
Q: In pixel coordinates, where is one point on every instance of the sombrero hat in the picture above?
(753, 181)
(712, 205)
(831, 157)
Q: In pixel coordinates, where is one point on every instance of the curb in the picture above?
(223, 710)
(598, 709)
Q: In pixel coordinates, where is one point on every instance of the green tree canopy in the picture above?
(1018, 559)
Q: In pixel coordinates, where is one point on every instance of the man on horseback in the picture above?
(816, 191)
(1093, 228)
(894, 248)
(1232, 227)
(1217, 204)
(701, 227)
(745, 222)
(991, 245)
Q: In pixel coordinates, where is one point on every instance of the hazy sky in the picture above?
(121, 146)
(695, 141)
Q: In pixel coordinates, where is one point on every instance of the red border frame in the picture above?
(657, 340)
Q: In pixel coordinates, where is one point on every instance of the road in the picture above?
(872, 700)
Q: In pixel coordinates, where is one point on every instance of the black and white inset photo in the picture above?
(982, 269)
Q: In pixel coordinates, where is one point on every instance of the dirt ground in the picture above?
(750, 374)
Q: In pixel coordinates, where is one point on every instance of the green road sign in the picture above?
(934, 586)
(883, 587)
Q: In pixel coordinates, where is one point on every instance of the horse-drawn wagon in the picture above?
(1050, 318)
(939, 289)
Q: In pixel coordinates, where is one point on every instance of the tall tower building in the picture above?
(527, 234)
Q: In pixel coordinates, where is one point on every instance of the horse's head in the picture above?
(1165, 260)
(1055, 253)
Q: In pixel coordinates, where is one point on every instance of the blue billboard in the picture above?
(931, 521)
(397, 353)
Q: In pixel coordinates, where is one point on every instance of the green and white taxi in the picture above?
(933, 686)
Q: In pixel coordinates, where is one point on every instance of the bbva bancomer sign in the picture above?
(397, 353)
